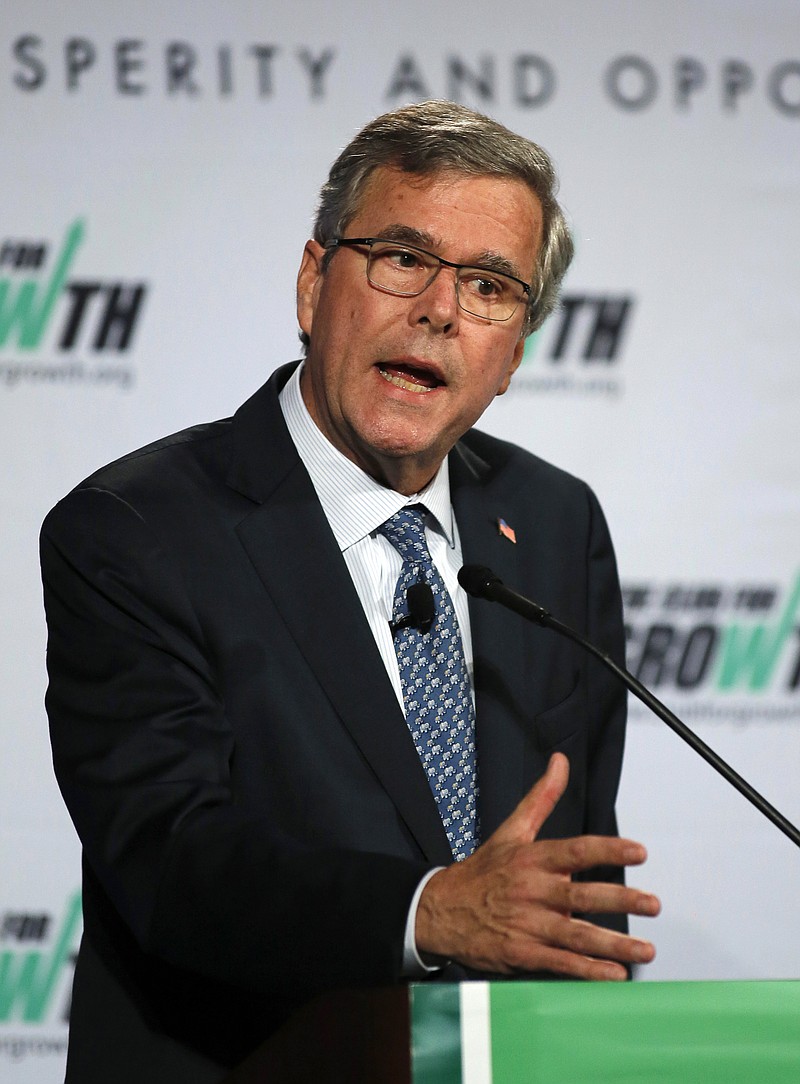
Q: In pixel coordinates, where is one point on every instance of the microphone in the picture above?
(481, 582)
(421, 609)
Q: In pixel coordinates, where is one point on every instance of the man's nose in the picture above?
(437, 305)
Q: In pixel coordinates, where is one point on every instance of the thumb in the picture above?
(524, 824)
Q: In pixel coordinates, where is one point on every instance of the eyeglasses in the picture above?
(408, 271)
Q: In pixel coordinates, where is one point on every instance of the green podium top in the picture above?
(606, 1033)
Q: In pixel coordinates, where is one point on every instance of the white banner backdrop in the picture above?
(161, 166)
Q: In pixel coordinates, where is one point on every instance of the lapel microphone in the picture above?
(421, 609)
(481, 582)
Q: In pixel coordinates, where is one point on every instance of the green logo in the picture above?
(728, 638)
(29, 979)
(44, 307)
(27, 310)
(750, 653)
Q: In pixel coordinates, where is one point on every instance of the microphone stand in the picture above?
(481, 582)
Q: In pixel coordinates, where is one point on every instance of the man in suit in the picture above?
(259, 821)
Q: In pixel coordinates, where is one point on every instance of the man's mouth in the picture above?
(411, 378)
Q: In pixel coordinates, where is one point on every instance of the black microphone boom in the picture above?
(481, 582)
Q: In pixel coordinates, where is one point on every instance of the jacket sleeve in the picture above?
(143, 751)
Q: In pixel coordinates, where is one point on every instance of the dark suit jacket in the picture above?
(253, 813)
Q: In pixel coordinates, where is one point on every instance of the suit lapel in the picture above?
(500, 692)
(292, 548)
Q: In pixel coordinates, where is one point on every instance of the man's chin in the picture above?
(402, 464)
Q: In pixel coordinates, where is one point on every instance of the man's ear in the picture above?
(309, 279)
(513, 365)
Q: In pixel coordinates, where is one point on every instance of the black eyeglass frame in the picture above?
(355, 242)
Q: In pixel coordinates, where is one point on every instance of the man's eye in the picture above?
(402, 258)
(485, 286)
(489, 288)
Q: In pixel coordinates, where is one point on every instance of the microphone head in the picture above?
(479, 581)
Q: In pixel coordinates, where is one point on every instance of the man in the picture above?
(259, 821)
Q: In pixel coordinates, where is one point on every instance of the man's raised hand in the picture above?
(509, 907)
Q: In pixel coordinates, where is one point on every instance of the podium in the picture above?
(531, 1032)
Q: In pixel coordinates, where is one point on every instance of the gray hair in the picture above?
(441, 137)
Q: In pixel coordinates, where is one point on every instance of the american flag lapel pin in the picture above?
(506, 531)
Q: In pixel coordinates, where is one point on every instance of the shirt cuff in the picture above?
(413, 965)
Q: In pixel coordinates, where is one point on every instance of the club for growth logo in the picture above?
(737, 645)
(60, 329)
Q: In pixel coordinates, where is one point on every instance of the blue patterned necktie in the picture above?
(436, 688)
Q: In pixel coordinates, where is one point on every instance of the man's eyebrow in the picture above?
(488, 259)
(493, 261)
(408, 235)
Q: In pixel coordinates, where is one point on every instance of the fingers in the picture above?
(573, 966)
(585, 938)
(555, 940)
(511, 906)
(582, 950)
(569, 855)
(601, 897)
(524, 824)
(504, 910)
(585, 852)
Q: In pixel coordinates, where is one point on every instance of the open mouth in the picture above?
(410, 378)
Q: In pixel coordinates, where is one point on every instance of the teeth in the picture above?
(399, 382)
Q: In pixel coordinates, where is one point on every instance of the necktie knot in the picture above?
(405, 530)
